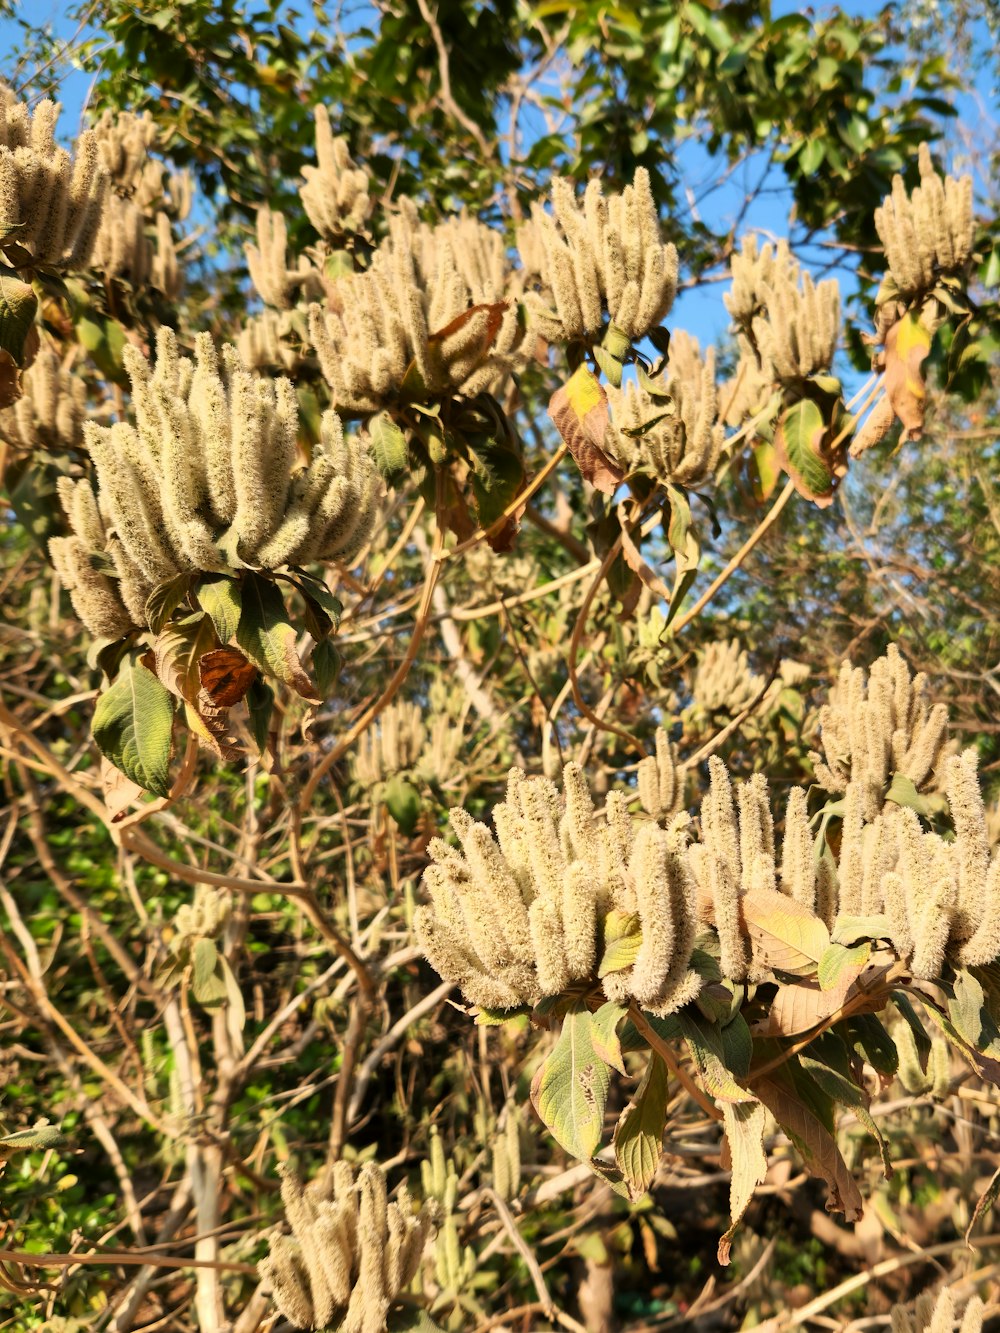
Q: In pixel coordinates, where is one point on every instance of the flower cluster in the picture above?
(878, 724)
(141, 200)
(604, 255)
(208, 479)
(335, 194)
(928, 232)
(673, 434)
(51, 410)
(522, 915)
(351, 1251)
(51, 203)
(428, 319)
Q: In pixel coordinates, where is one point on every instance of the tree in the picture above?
(432, 805)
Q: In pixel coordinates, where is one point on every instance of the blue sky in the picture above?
(701, 310)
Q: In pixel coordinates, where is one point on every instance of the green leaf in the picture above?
(221, 597)
(132, 726)
(604, 1025)
(869, 1037)
(389, 448)
(260, 705)
(18, 305)
(811, 156)
(496, 486)
(402, 800)
(570, 1088)
(164, 600)
(178, 651)
(29, 1140)
(710, 1055)
(622, 942)
(638, 1139)
(840, 1088)
(745, 1124)
(208, 984)
(902, 792)
(610, 365)
(326, 663)
(784, 934)
(798, 442)
(836, 958)
(267, 636)
(851, 929)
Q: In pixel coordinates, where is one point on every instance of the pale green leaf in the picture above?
(132, 725)
(570, 1088)
(745, 1124)
(638, 1140)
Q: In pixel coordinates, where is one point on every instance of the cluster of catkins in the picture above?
(876, 724)
(208, 479)
(938, 1316)
(50, 202)
(434, 299)
(787, 325)
(335, 193)
(351, 1251)
(272, 341)
(725, 683)
(605, 254)
(50, 412)
(521, 915)
(937, 899)
(400, 742)
(139, 201)
(202, 919)
(279, 286)
(928, 233)
(684, 437)
(392, 745)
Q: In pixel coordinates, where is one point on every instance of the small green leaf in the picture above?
(402, 800)
(570, 1088)
(221, 597)
(389, 448)
(267, 636)
(610, 365)
(638, 1139)
(836, 958)
(604, 1025)
(18, 304)
(164, 600)
(208, 984)
(798, 442)
(326, 663)
(902, 792)
(132, 726)
(622, 942)
(260, 705)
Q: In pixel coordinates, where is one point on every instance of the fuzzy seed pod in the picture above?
(210, 470)
(523, 910)
(604, 255)
(351, 1252)
(52, 201)
(49, 414)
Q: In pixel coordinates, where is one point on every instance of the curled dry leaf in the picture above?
(579, 410)
(906, 345)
